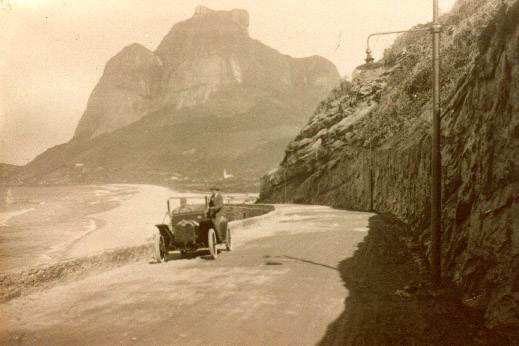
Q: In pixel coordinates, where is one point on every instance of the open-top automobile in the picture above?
(191, 228)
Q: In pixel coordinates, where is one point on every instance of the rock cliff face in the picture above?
(368, 147)
(210, 97)
(125, 93)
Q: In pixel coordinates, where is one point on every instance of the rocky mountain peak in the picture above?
(204, 32)
(233, 101)
(134, 56)
(124, 94)
(201, 11)
(235, 16)
(199, 58)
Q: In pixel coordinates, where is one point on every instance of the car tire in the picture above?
(160, 253)
(211, 242)
(228, 240)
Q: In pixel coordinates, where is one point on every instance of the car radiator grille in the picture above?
(185, 231)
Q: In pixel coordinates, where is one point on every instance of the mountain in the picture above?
(7, 171)
(125, 93)
(368, 147)
(208, 98)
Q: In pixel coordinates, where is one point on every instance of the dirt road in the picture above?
(279, 286)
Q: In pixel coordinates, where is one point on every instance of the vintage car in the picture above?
(190, 231)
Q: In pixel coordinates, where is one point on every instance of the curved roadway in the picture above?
(279, 286)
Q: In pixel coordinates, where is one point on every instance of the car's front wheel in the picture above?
(211, 242)
(160, 252)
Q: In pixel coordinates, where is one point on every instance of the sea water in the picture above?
(38, 224)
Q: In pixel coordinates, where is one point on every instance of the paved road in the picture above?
(279, 286)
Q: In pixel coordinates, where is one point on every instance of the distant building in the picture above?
(227, 176)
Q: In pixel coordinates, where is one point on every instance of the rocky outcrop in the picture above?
(200, 59)
(126, 92)
(368, 147)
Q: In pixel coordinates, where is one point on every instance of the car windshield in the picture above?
(186, 205)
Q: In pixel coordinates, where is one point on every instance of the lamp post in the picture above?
(285, 179)
(436, 165)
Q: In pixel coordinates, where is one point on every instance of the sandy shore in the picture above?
(129, 224)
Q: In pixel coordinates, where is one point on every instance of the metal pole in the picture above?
(369, 57)
(436, 165)
(371, 168)
(394, 32)
(285, 179)
(370, 184)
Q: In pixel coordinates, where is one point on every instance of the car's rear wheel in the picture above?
(160, 252)
(228, 240)
(211, 241)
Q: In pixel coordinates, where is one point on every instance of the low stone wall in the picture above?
(15, 284)
(235, 212)
(20, 283)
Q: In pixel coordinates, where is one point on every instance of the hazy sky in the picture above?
(53, 51)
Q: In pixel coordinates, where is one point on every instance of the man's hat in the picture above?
(215, 188)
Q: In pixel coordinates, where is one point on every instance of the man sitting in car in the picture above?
(215, 208)
(215, 203)
(184, 208)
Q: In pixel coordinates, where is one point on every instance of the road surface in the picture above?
(279, 286)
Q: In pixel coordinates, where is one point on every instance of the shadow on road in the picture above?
(310, 262)
(390, 303)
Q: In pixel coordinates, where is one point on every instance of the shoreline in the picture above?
(28, 280)
(62, 220)
(124, 225)
(98, 218)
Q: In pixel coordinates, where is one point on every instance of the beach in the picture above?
(44, 225)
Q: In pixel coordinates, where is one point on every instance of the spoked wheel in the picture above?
(211, 241)
(228, 240)
(160, 252)
(183, 253)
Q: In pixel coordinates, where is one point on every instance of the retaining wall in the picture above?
(14, 285)
(244, 211)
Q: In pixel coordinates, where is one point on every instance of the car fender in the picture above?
(165, 232)
(223, 225)
(205, 225)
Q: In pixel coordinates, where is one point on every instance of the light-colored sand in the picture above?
(5, 216)
(130, 224)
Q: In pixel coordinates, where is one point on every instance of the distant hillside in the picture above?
(368, 147)
(208, 98)
(7, 171)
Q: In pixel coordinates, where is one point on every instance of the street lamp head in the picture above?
(369, 58)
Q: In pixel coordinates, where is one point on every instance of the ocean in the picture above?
(39, 225)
